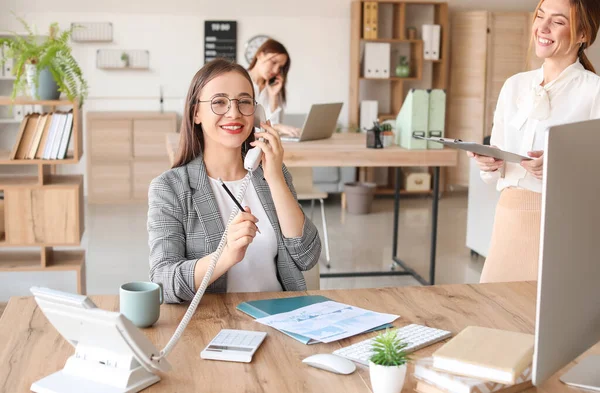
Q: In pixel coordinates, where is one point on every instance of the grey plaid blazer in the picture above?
(184, 224)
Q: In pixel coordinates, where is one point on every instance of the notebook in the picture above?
(439, 381)
(484, 353)
(264, 308)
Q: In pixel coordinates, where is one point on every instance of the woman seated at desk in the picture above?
(188, 206)
(269, 70)
(565, 90)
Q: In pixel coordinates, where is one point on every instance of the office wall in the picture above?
(316, 33)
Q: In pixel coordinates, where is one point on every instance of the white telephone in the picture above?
(254, 155)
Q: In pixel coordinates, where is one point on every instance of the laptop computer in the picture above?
(319, 124)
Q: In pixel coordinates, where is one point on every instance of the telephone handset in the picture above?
(254, 155)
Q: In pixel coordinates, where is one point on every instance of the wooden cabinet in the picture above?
(127, 152)
(45, 215)
(43, 210)
(487, 48)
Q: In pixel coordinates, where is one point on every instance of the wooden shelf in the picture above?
(387, 116)
(53, 181)
(393, 79)
(5, 160)
(10, 121)
(392, 40)
(30, 101)
(7, 78)
(27, 261)
(124, 68)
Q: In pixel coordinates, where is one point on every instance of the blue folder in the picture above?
(267, 307)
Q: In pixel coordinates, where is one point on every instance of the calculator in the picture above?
(233, 345)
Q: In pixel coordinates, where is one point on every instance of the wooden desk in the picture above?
(349, 149)
(30, 348)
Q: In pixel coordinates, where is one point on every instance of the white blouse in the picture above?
(262, 97)
(526, 110)
(257, 272)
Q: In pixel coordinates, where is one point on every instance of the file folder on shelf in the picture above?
(370, 16)
(376, 61)
(436, 31)
(374, 20)
(367, 20)
(368, 114)
(431, 42)
(437, 117)
(413, 120)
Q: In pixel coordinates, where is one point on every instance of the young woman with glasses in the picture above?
(188, 207)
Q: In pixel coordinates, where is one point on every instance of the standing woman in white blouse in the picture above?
(565, 90)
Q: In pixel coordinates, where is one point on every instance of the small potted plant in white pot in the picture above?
(387, 365)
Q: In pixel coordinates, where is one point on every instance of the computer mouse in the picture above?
(330, 362)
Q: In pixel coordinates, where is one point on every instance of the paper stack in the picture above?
(478, 360)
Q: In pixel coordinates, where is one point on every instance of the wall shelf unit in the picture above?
(394, 17)
(44, 210)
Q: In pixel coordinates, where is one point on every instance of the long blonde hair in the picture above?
(585, 19)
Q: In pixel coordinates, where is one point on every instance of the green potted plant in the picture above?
(44, 65)
(387, 365)
(124, 60)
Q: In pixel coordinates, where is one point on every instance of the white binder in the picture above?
(368, 114)
(370, 60)
(376, 61)
(427, 41)
(384, 50)
(436, 31)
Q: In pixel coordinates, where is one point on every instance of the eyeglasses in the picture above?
(221, 105)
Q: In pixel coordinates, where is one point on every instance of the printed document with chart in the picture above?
(327, 321)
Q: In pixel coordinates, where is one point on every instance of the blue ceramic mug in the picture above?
(140, 302)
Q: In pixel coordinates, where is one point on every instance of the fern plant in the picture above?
(53, 53)
(388, 350)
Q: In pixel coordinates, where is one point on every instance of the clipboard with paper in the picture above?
(477, 148)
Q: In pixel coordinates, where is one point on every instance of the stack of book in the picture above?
(478, 360)
(43, 136)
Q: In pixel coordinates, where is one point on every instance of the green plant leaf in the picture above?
(54, 53)
(388, 349)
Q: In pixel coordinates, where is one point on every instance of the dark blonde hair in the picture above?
(272, 46)
(191, 141)
(585, 19)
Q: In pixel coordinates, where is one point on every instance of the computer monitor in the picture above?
(111, 354)
(568, 297)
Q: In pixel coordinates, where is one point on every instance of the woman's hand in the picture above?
(275, 88)
(240, 234)
(535, 166)
(274, 91)
(272, 159)
(283, 129)
(486, 164)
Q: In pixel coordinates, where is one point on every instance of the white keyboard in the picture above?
(233, 345)
(417, 337)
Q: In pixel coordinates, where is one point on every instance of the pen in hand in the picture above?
(234, 200)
